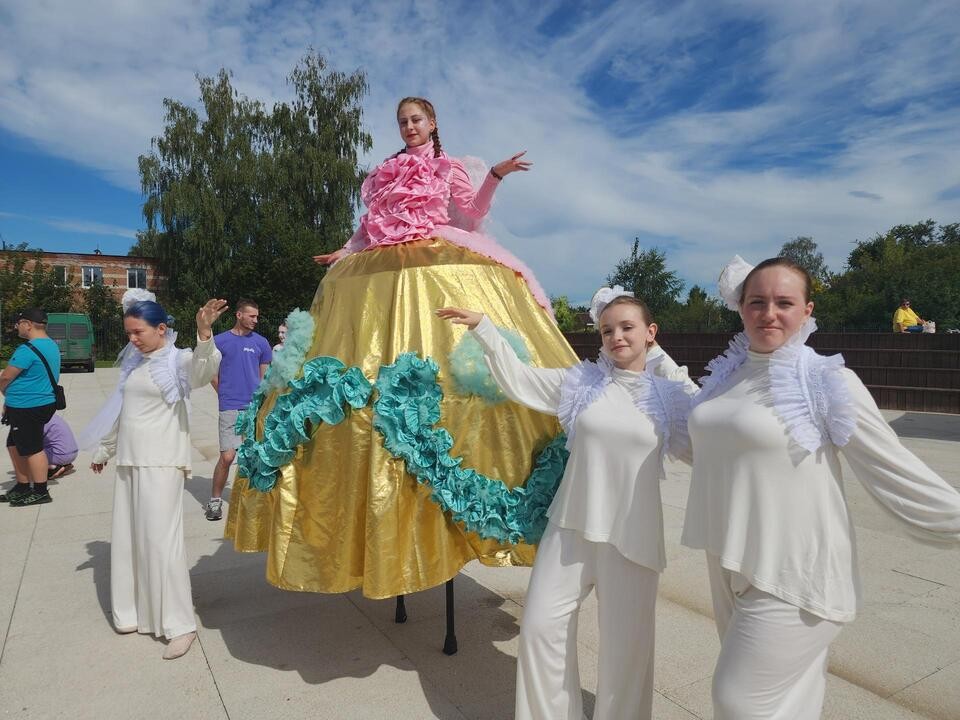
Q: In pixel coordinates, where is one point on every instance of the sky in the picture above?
(704, 128)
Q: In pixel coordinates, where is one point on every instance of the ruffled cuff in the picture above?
(101, 455)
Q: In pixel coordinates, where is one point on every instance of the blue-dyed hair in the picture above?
(150, 312)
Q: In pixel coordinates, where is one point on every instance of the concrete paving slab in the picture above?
(486, 661)
(290, 649)
(507, 582)
(935, 696)
(864, 653)
(225, 597)
(125, 678)
(388, 693)
(687, 647)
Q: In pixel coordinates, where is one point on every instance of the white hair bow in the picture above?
(603, 297)
(731, 280)
(134, 295)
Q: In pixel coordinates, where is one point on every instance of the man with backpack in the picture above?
(29, 385)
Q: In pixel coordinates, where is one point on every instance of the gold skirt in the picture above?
(345, 513)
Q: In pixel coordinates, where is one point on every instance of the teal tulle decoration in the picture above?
(470, 373)
(319, 396)
(406, 413)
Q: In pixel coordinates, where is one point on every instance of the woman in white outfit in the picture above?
(767, 502)
(145, 427)
(605, 528)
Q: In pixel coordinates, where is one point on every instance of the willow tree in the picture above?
(238, 197)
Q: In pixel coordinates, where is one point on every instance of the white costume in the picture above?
(767, 504)
(605, 528)
(150, 440)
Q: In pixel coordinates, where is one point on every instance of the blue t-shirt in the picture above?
(240, 367)
(32, 388)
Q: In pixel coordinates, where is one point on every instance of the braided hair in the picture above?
(427, 107)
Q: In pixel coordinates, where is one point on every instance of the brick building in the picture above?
(117, 272)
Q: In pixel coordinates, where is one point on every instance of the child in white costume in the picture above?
(766, 498)
(605, 528)
(146, 427)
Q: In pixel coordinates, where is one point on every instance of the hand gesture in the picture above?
(329, 258)
(98, 467)
(512, 164)
(208, 315)
(458, 316)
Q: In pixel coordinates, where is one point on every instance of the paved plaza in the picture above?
(266, 653)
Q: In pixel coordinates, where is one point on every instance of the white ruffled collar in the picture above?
(164, 369)
(662, 400)
(810, 395)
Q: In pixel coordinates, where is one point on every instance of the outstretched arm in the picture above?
(536, 388)
(476, 204)
(894, 476)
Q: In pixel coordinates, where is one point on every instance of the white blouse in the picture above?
(610, 491)
(777, 514)
(151, 432)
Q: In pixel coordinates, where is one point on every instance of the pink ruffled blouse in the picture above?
(411, 196)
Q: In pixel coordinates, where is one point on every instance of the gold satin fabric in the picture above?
(345, 513)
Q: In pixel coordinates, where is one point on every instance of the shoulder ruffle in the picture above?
(670, 415)
(722, 367)
(811, 397)
(171, 375)
(582, 384)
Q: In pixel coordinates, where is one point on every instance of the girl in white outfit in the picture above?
(767, 502)
(605, 528)
(145, 426)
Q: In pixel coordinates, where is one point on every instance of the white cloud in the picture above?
(847, 126)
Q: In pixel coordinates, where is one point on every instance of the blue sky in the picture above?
(705, 127)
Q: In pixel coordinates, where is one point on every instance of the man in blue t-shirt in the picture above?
(28, 404)
(246, 356)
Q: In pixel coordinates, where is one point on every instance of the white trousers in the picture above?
(548, 678)
(773, 655)
(149, 580)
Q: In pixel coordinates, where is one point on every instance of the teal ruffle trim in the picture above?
(470, 373)
(406, 413)
(318, 396)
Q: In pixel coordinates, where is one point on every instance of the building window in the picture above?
(92, 275)
(137, 278)
(60, 274)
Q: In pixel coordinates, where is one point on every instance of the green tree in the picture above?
(568, 316)
(646, 275)
(700, 313)
(238, 197)
(100, 304)
(804, 251)
(920, 261)
(22, 287)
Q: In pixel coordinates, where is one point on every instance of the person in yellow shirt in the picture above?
(905, 319)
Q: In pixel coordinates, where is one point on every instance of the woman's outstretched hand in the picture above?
(208, 315)
(329, 258)
(458, 316)
(512, 164)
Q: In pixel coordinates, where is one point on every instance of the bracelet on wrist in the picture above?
(497, 175)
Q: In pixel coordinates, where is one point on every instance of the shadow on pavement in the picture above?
(99, 562)
(326, 637)
(931, 426)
